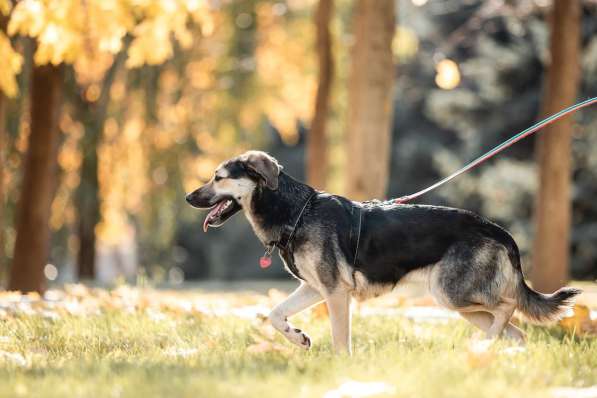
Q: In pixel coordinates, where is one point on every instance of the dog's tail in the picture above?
(539, 307)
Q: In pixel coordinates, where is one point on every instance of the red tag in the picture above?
(265, 262)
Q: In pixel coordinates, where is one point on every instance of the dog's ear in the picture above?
(265, 166)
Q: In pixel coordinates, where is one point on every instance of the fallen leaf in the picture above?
(13, 357)
(579, 321)
(181, 352)
(480, 353)
(572, 392)
(513, 350)
(76, 290)
(33, 296)
(357, 389)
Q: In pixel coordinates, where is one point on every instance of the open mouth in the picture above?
(220, 212)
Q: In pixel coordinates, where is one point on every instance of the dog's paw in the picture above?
(306, 342)
(299, 338)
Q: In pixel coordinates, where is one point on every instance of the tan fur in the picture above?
(245, 202)
(365, 290)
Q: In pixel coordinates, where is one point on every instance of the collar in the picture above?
(288, 231)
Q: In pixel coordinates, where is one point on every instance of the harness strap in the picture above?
(287, 232)
(355, 230)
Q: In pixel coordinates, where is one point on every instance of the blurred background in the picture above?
(111, 110)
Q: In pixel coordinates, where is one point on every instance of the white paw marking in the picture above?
(298, 337)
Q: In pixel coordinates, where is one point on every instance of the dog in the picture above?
(338, 249)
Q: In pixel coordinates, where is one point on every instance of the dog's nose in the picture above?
(189, 197)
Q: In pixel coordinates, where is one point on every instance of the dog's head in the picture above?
(232, 184)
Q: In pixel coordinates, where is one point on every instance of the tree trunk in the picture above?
(553, 205)
(87, 197)
(39, 180)
(3, 274)
(317, 151)
(2, 202)
(370, 99)
(93, 116)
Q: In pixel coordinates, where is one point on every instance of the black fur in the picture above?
(395, 239)
(237, 169)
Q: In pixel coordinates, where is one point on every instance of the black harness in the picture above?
(356, 214)
(358, 211)
(286, 236)
(288, 231)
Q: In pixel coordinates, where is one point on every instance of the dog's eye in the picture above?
(218, 178)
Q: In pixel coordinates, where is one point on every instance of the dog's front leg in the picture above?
(301, 299)
(339, 308)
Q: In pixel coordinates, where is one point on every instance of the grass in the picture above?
(160, 350)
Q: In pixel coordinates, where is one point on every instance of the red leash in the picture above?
(531, 130)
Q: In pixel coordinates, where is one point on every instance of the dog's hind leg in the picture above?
(483, 320)
(338, 304)
(514, 333)
(501, 317)
(301, 299)
(478, 279)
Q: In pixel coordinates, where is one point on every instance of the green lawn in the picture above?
(143, 346)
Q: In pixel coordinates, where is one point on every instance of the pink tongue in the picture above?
(211, 213)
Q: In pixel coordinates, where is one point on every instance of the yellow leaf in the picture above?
(28, 18)
(9, 68)
(184, 37)
(5, 7)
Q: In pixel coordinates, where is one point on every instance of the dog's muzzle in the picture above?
(189, 198)
(201, 198)
(221, 208)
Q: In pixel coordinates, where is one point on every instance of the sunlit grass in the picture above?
(150, 353)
